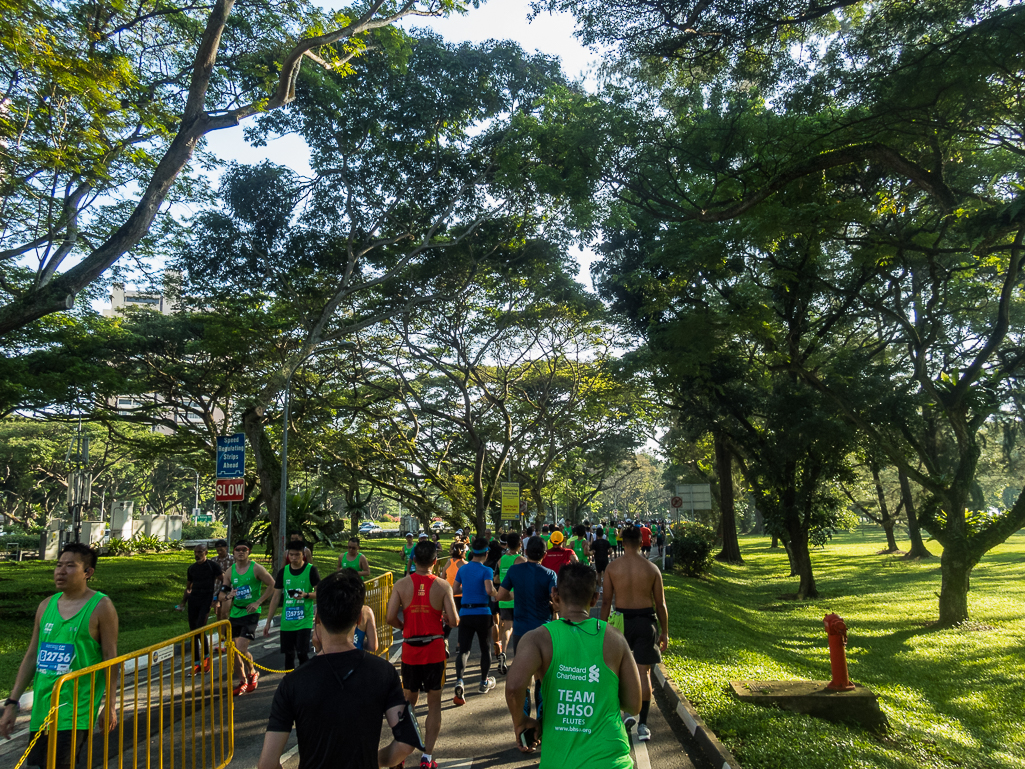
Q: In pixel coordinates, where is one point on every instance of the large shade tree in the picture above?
(896, 130)
(105, 105)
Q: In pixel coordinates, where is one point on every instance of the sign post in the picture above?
(510, 501)
(231, 470)
(692, 496)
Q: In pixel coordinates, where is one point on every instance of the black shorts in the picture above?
(600, 565)
(244, 627)
(423, 678)
(38, 755)
(505, 613)
(296, 641)
(641, 630)
(645, 548)
(494, 608)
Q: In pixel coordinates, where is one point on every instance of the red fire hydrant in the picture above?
(837, 631)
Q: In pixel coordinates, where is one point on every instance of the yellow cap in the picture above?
(556, 538)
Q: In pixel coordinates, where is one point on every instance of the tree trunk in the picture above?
(918, 548)
(775, 543)
(956, 569)
(728, 521)
(800, 559)
(268, 469)
(884, 512)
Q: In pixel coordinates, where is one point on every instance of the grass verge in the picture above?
(954, 697)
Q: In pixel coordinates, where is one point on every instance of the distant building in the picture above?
(122, 298)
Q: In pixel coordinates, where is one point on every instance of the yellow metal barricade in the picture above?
(378, 594)
(169, 713)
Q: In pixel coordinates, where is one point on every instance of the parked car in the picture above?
(438, 526)
(368, 527)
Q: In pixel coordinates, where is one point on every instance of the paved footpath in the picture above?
(477, 735)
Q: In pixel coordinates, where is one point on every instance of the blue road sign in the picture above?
(231, 456)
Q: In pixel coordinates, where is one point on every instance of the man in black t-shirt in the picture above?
(200, 597)
(337, 699)
(600, 549)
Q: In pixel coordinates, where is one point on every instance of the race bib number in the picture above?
(243, 592)
(294, 613)
(55, 658)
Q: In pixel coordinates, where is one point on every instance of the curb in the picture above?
(713, 750)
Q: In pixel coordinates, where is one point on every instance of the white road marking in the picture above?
(455, 763)
(640, 753)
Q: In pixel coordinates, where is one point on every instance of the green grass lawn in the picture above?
(954, 698)
(145, 590)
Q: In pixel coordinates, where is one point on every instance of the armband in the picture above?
(407, 730)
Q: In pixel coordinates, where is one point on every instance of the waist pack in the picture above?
(421, 640)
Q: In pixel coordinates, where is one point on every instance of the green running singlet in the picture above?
(247, 590)
(297, 613)
(354, 565)
(407, 555)
(504, 564)
(581, 695)
(578, 548)
(65, 645)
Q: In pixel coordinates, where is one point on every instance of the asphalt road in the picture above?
(477, 735)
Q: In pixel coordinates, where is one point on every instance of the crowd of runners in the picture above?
(525, 600)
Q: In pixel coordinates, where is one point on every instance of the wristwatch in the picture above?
(10, 701)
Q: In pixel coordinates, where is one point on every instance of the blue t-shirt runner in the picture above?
(474, 619)
(471, 576)
(532, 602)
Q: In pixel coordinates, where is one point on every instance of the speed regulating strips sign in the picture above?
(510, 501)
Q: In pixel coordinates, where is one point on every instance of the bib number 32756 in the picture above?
(55, 658)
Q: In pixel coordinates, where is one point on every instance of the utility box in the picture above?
(154, 526)
(409, 524)
(122, 525)
(50, 547)
(174, 528)
(92, 532)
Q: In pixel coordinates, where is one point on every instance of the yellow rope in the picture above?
(256, 664)
(35, 739)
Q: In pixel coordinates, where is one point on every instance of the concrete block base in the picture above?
(859, 705)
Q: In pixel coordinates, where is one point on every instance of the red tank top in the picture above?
(420, 619)
(556, 558)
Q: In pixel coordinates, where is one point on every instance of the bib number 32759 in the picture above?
(55, 658)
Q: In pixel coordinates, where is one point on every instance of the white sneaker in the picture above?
(629, 721)
(458, 697)
(643, 732)
(487, 684)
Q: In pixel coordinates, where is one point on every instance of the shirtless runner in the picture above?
(635, 584)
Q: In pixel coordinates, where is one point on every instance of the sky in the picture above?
(550, 34)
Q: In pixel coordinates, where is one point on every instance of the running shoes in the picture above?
(629, 721)
(643, 732)
(487, 685)
(458, 697)
(254, 679)
(503, 667)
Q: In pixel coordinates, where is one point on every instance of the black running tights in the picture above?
(469, 626)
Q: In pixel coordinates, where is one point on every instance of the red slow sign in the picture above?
(230, 489)
(676, 502)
